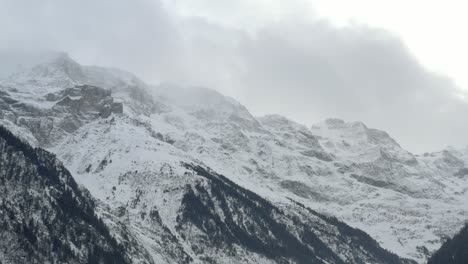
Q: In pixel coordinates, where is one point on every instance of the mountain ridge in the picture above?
(359, 174)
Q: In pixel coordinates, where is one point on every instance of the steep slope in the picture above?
(453, 251)
(44, 216)
(305, 237)
(49, 101)
(55, 115)
(343, 169)
(202, 215)
(131, 159)
(417, 199)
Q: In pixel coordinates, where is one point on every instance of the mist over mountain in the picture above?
(248, 131)
(179, 174)
(275, 57)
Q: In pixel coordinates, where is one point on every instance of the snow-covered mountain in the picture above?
(155, 156)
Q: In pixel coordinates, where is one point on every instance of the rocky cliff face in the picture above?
(147, 160)
(55, 115)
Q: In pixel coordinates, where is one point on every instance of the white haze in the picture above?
(287, 62)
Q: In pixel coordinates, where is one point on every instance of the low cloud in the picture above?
(305, 70)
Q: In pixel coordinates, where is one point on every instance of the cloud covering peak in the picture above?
(306, 69)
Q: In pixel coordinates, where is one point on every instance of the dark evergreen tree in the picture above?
(44, 216)
(453, 251)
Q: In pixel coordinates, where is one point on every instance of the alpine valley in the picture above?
(96, 166)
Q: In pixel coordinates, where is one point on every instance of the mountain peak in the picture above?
(53, 70)
(63, 59)
(70, 67)
(336, 123)
(282, 123)
(352, 130)
(205, 103)
(358, 140)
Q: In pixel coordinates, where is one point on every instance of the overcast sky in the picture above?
(395, 65)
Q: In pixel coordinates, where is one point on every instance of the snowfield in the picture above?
(129, 147)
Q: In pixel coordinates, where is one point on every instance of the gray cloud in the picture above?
(305, 70)
(137, 35)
